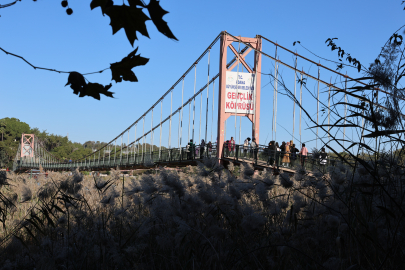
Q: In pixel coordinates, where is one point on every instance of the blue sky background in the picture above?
(42, 33)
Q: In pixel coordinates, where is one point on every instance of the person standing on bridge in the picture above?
(270, 152)
(209, 146)
(253, 145)
(323, 159)
(190, 149)
(282, 153)
(293, 155)
(286, 157)
(226, 148)
(303, 154)
(202, 148)
(246, 146)
(278, 153)
(231, 146)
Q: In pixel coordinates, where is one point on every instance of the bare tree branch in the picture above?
(48, 69)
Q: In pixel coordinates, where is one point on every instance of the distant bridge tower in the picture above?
(239, 92)
(27, 145)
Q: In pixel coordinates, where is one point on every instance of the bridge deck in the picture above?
(260, 164)
(175, 157)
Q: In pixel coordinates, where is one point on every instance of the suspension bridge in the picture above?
(200, 106)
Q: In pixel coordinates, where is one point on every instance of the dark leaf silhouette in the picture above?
(81, 88)
(330, 40)
(103, 4)
(123, 70)
(156, 13)
(136, 3)
(76, 81)
(95, 89)
(130, 18)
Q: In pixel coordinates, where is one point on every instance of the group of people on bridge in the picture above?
(284, 155)
(287, 154)
(194, 151)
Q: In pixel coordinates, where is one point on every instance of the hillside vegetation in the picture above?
(59, 146)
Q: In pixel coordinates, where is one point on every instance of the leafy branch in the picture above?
(132, 19)
(340, 65)
(342, 53)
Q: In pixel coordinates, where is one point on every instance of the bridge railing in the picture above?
(264, 156)
(146, 159)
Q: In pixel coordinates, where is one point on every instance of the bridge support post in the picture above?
(27, 145)
(223, 109)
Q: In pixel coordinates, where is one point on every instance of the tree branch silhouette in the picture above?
(8, 5)
(130, 18)
(48, 69)
(340, 65)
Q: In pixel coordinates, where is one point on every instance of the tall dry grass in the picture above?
(205, 217)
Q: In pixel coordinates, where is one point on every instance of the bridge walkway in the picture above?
(174, 157)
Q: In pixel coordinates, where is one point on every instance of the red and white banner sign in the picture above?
(240, 92)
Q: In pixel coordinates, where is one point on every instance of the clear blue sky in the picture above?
(42, 33)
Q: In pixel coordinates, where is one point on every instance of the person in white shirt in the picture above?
(253, 145)
(246, 146)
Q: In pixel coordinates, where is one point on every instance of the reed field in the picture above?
(205, 217)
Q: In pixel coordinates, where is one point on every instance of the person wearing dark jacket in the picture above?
(190, 149)
(278, 153)
(323, 157)
(226, 145)
(202, 148)
(282, 153)
(293, 154)
(270, 152)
